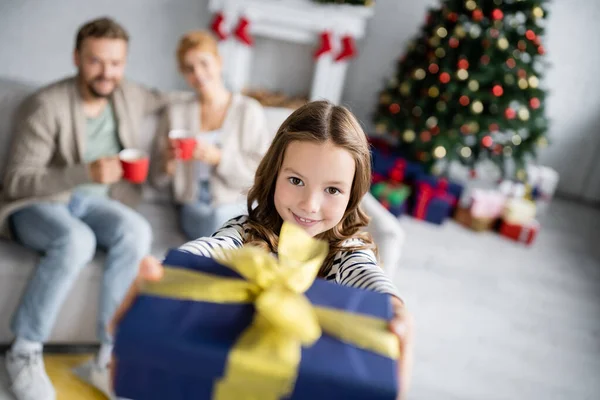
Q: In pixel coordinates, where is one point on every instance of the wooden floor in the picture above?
(497, 320)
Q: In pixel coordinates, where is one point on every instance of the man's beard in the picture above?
(95, 93)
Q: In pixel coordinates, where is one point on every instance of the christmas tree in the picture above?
(468, 87)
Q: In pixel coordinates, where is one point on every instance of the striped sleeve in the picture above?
(359, 269)
(229, 236)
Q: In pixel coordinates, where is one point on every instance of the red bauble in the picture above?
(497, 90)
(535, 103)
(493, 127)
(541, 50)
(435, 130)
(425, 136)
(394, 108)
(463, 64)
(453, 17)
(444, 77)
(522, 73)
(487, 141)
(453, 42)
(485, 59)
(511, 63)
(522, 45)
(497, 14)
(477, 15)
(494, 33)
(530, 34)
(433, 68)
(464, 129)
(509, 113)
(464, 100)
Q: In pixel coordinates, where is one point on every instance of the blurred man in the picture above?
(63, 196)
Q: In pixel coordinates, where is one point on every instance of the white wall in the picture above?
(36, 45)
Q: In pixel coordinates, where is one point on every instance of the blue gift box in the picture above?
(172, 349)
(432, 202)
(452, 188)
(384, 163)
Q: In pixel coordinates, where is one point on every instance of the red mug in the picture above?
(185, 142)
(135, 165)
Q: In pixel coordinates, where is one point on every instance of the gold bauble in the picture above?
(523, 114)
(473, 85)
(533, 81)
(441, 106)
(509, 79)
(419, 73)
(431, 122)
(380, 128)
(466, 152)
(477, 107)
(507, 151)
(439, 152)
(434, 41)
(409, 135)
(523, 83)
(460, 31)
(474, 127)
(385, 99)
(521, 175)
(503, 43)
(542, 142)
(470, 5)
(462, 74)
(405, 88)
(516, 139)
(538, 12)
(440, 52)
(441, 32)
(433, 91)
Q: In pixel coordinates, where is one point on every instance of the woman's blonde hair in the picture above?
(317, 122)
(194, 40)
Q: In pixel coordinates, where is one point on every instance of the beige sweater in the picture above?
(45, 161)
(244, 140)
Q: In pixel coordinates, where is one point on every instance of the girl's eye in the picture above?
(295, 181)
(332, 190)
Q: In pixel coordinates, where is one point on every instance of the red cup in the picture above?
(135, 165)
(185, 142)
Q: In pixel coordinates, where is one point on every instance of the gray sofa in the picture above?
(76, 321)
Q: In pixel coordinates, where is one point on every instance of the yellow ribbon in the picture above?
(264, 361)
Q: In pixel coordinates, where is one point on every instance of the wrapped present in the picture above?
(511, 189)
(432, 203)
(519, 211)
(487, 204)
(393, 196)
(544, 181)
(452, 188)
(395, 168)
(253, 327)
(524, 233)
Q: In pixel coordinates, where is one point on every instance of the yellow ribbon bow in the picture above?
(264, 361)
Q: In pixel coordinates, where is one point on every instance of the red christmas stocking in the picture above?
(325, 45)
(348, 49)
(241, 32)
(217, 26)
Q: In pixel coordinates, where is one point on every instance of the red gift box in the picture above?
(524, 233)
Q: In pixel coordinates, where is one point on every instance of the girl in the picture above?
(315, 174)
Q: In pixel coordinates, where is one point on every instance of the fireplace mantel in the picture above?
(293, 21)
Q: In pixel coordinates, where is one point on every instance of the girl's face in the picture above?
(201, 70)
(313, 186)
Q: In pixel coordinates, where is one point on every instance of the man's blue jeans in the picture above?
(67, 236)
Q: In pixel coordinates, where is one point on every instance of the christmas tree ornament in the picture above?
(541, 50)
(516, 140)
(464, 129)
(521, 175)
(511, 63)
(497, 90)
(452, 17)
(417, 111)
(431, 122)
(497, 14)
(441, 106)
(470, 5)
(516, 54)
(463, 63)
(526, 58)
(460, 32)
(425, 136)
(433, 92)
(394, 108)
(439, 152)
(419, 74)
(533, 81)
(508, 151)
(440, 52)
(534, 103)
(498, 2)
(453, 42)
(522, 45)
(509, 79)
(485, 59)
(434, 41)
(463, 100)
(470, 141)
(473, 85)
(444, 77)
(542, 142)
(441, 32)
(522, 73)
(529, 34)
(523, 114)
(521, 17)
(381, 128)
(493, 127)
(462, 74)
(433, 68)
(523, 84)
(487, 141)
(473, 127)
(509, 113)
(405, 88)
(465, 152)
(475, 31)
(520, 30)
(494, 33)
(503, 43)
(477, 15)
(385, 99)
(538, 12)
(477, 107)
(409, 135)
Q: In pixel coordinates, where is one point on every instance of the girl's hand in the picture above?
(207, 153)
(403, 326)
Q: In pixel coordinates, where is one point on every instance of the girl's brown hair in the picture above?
(319, 122)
